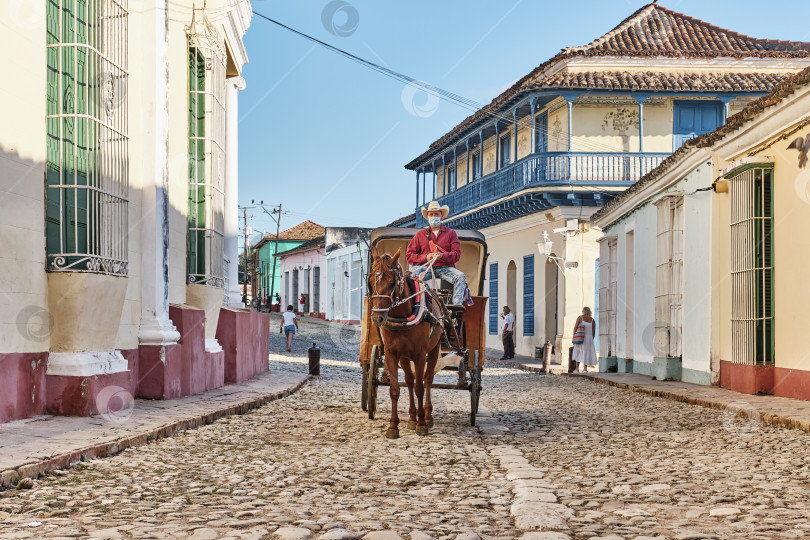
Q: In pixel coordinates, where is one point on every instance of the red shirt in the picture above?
(445, 242)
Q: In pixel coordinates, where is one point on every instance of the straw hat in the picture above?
(434, 207)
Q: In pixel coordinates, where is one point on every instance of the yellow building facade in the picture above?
(762, 213)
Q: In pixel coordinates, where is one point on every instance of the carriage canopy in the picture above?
(473, 251)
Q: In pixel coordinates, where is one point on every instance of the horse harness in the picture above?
(421, 297)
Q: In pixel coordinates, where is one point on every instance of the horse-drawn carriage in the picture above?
(462, 341)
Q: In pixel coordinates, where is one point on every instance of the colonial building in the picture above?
(118, 187)
(726, 310)
(302, 271)
(265, 270)
(531, 167)
(346, 266)
(329, 271)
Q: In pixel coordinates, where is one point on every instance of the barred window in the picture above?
(206, 164)
(86, 174)
(669, 278)
(608, 296)
(752, 318)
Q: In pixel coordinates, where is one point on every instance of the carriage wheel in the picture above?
(372, 379)
(475, 388)
(364, 388)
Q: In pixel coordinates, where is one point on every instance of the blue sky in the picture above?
(329, 138)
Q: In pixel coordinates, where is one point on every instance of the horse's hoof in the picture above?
(429, 422)
(411, 424)
(421, 430)
(392, 434)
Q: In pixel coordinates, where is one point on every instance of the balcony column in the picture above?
(533, 136)
(455, 167)
(515, 142)
(468, 160)
(424, 187)
(497, 147)
(444, 175)
(641, 98)
(435, 179)
(417, 189)
(570, 123)
(481, 158)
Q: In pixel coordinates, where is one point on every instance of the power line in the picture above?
(451, 97)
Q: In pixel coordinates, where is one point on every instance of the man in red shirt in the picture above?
(440, 243)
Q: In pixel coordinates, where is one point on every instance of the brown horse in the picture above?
(403, 346)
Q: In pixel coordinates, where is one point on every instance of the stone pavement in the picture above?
(774, 410)
(42, 444)
(550, 458)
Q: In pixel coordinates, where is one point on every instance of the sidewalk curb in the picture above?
(32, 470)
(745, 412)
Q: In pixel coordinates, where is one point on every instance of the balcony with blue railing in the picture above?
(552, 169)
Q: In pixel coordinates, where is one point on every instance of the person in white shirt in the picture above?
(289, 325)
(507, 333)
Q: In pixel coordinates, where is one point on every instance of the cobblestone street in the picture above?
(550, 453)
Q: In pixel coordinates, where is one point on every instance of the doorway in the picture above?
(511, 289)
(551, 301)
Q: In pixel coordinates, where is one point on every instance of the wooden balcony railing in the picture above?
(549, 169)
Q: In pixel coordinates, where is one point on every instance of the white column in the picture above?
(232, 296)
(156, 327)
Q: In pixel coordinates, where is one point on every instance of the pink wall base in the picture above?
(96, 394)
(23, 385)
(154, 372)
(173, 371)
(245, 339)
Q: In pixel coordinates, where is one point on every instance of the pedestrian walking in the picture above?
(268, 302)
(508, 333)
(289, 325)
(277, 303)
(584, 346)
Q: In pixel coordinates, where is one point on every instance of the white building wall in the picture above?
(340, 287)
(511, 241)
(697, 311)
(302, 261)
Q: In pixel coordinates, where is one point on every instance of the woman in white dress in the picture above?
(585, 352)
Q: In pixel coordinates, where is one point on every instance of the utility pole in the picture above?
(275, 250)
(276, 210)
(247, 248)
(245, 256)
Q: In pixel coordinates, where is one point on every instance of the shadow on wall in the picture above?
(83, 316)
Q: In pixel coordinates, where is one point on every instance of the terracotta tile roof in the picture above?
(655, 30)
(315, 243)
(652, 31)
(777, 94)
(300, 233)
(623, 80)
(404, 220)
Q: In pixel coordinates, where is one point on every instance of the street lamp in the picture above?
(544, 247)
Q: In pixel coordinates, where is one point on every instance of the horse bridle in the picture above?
(393, 298)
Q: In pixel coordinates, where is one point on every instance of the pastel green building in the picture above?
(262, 256)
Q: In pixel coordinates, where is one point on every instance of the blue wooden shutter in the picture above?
(528, 295)
(493, 298)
